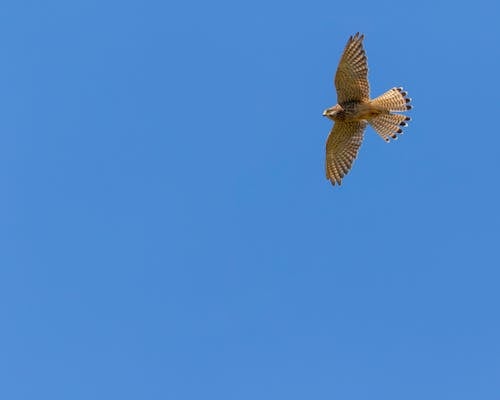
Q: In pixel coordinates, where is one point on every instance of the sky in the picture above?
(167, 230)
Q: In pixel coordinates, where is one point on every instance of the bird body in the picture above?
(355, 110)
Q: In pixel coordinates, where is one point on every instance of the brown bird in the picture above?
(355, 110)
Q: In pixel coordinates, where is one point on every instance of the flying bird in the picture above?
(355, 110)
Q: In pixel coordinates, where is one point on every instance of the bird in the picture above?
(355, 110)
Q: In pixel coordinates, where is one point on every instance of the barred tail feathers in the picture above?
(389, 125)
(394, 99)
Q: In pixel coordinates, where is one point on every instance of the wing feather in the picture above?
(342, 148)
(351, 78)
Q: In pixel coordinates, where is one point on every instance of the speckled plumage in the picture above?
(355, 110)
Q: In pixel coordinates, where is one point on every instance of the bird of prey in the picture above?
(355, 110)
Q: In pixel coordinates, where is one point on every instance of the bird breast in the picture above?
(357, 111)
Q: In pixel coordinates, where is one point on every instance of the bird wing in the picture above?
(342, 148)
(351, 79)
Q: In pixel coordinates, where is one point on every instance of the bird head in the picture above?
(332, 112)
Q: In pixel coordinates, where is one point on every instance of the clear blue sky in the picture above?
(167, 231)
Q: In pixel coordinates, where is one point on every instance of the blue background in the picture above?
(167, 231)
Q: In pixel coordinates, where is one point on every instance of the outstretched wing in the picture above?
(351, 79)
(342, 148)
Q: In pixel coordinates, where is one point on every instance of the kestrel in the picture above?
(355, 110)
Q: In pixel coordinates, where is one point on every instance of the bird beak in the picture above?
(324, 113)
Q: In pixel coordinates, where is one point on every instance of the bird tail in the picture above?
(389, 125)
(394, 99)
(386, 124)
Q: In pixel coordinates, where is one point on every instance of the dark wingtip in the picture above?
(357, 36)
(334, 181)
